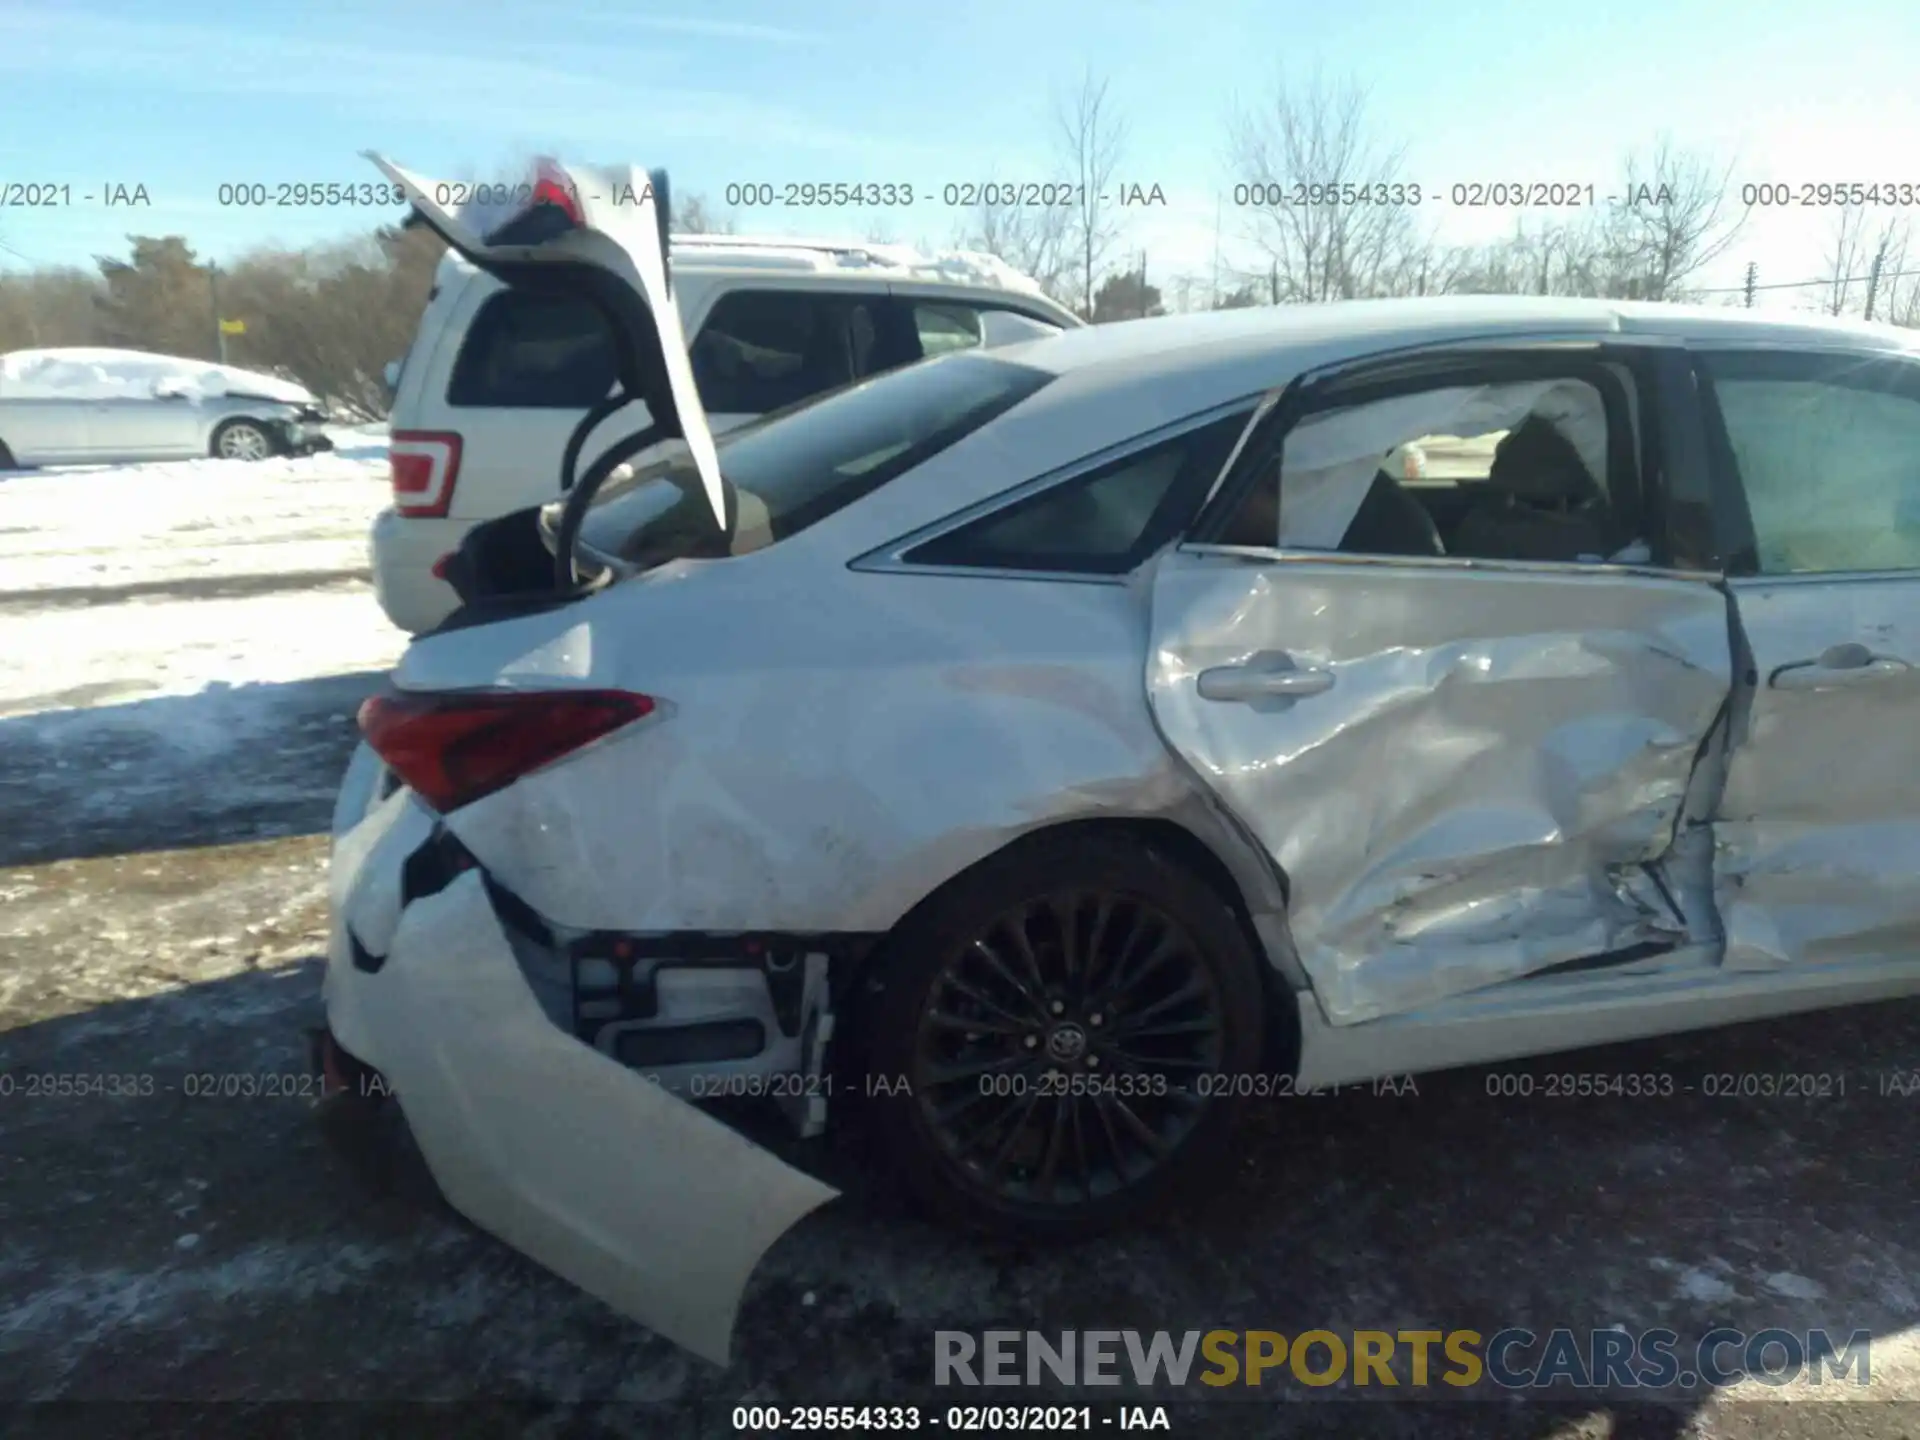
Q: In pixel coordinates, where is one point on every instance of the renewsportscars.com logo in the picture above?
(1510, 1359)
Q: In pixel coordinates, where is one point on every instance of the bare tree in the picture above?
(1031, 238)
(1092, 139)
(1549, 259)
(49, 307)
(1188, 292)
(1899, 297)
(1352, 234)
(1866, 262)
(692, 217)
(1675, 217)
(1845, 258)
(1678, 216)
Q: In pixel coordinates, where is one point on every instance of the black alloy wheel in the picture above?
(1062, 1043)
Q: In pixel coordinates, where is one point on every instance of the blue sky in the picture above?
(182, 99)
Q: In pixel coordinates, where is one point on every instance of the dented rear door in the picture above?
(1818, 830)
(1467, 772)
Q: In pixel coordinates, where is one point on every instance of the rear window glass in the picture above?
(531, 351)
(794, 470)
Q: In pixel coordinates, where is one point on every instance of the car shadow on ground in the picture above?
(197, 1236)
(229, 763)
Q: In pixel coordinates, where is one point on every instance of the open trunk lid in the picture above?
(597, 230)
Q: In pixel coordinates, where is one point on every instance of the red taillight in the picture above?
(551, 192)
(440, 566)
(553, 186)
(453, 749)
(424, 464)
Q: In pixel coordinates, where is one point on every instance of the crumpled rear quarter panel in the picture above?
(831, 745)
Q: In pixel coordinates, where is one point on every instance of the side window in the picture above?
(941, 328)
(1826, 452)
(534, 352)
(943, 325)
(763, 350)
(1511, 470)
(1104, 522)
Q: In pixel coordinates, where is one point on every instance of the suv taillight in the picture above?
(424, 464)
(454, 749)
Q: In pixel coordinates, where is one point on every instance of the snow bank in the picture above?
(959, 267)
(91, 373)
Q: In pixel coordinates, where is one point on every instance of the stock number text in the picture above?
(307, 194)
(763, 194)
(1827, 192)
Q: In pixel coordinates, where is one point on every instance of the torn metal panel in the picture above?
(605, 1178)
(1482, 763)
(1685, 872)
(1818, 830)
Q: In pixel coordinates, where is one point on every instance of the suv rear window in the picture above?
(793, 470)
(534, 352)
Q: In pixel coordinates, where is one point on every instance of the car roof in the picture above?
(1217, 339)
(1118, 382)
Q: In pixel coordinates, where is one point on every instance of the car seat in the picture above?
(1391, 522)
(1540, 502)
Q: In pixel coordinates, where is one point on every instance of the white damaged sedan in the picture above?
(1059, 748)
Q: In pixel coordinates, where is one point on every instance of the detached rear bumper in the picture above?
(605, 1178)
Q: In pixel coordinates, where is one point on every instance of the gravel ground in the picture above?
(162, 919)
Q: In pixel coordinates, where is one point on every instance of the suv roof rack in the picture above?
(769, 242)
(799, 253)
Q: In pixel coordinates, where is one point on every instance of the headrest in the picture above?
(1536, 463)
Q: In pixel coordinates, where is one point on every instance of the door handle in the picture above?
(1269, 676)
(1849, 664)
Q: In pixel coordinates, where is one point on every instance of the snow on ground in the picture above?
(185, 645)
(133, 582)
(97, 373)
(359, 442)
(191, 519)
(87, 656)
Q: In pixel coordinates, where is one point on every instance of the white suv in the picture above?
(497, 379)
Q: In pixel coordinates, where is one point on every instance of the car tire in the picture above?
(242, 440)
(6, 458)
(904, 1019)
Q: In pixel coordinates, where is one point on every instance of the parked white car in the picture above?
(94, 405)
(1051, 752)
(497, 379)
